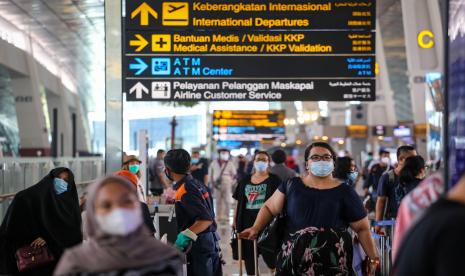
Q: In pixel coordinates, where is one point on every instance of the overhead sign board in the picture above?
(249, 50)
(233, 127)
(251, 15)
(357, 131)
(379, 130)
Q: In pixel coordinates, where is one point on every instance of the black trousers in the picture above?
(204, 257)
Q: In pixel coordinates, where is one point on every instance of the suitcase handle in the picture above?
(239, 249)
(255, 252)
(390, 222)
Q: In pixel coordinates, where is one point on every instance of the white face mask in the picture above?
(386, 160)
(120, 221)
(224, 156)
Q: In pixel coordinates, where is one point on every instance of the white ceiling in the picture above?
(70, 30)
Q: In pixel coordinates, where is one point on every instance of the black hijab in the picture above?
(39, 212)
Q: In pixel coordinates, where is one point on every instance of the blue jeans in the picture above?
(204, 257)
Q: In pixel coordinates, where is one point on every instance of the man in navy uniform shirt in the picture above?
(195, 217)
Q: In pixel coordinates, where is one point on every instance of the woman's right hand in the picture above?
(249, 234)
(39, 242)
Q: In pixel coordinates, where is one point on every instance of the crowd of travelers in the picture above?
(325, 225)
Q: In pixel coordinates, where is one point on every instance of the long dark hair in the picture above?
(342, 169)
(412, 167)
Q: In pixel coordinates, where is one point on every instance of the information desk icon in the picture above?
(175, 14)
(161, 90)
(161, 66)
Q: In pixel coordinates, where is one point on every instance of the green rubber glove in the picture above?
(182, 242)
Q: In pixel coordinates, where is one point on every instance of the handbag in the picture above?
(234, 245)
(29, 257)
(271, 238)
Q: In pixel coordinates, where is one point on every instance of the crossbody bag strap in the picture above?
(222, 169)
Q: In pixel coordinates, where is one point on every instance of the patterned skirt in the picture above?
(316, 251)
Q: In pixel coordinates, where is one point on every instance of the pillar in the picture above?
(31, 112)
(424, 44)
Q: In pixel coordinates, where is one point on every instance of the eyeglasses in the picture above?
(317, 158)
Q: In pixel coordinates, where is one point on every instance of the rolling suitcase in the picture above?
(384, 244)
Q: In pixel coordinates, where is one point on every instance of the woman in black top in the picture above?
(346, 171)
(46, 214)
(410, 176)
(320, 209)
(251, 193)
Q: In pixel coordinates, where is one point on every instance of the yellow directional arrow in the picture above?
(144, 10)
(141, 42)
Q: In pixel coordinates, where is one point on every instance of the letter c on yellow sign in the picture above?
(425, 39)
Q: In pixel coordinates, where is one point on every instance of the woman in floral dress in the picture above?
(320, 209)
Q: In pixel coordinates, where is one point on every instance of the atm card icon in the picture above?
(161, 90)
(161, 66)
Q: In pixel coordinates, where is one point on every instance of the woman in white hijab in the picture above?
(118, 243)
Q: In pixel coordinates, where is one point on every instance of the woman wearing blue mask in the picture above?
(251, 193)
(46, 215)
(346, 171)
(132, 163)
(320, 209)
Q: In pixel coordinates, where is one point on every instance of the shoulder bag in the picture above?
(272, 236)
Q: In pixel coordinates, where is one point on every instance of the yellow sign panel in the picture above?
(144, 10)
(425, 39)
(421, 130)
(161, 43)
(175, 14)
(357, 131)
(256, 118)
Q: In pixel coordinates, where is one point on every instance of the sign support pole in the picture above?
(113, 87)
(173, 124)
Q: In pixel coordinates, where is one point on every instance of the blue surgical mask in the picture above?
(60, 185)
(195, 160)
(168, 176)
(134, 168)
(260, 166)
(321, 168)
(353, 176)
